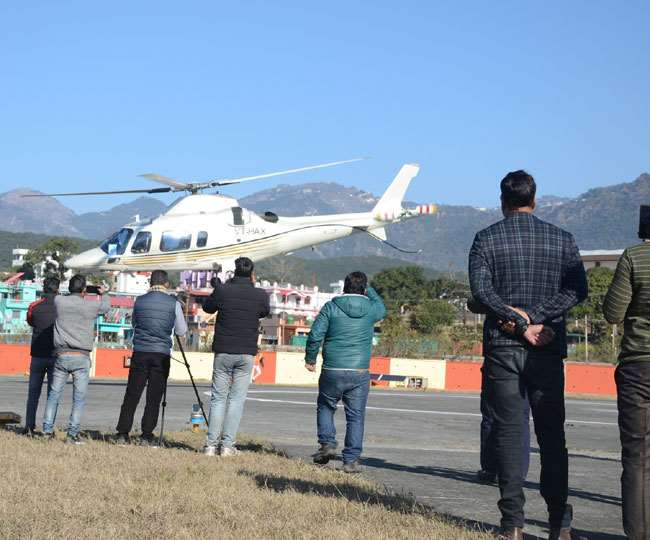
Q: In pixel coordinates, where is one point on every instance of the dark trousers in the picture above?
(488, 455)
(151, 370)
(633, 389)
(512, 373)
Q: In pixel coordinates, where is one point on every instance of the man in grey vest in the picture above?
(155, 316)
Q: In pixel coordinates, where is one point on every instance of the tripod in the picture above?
(189, 371)
(196, 392)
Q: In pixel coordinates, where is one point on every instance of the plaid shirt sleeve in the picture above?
(573, 289)
(480, 280)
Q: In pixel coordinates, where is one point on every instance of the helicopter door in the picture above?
(239, 217)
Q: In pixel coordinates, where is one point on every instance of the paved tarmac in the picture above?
(422, 443)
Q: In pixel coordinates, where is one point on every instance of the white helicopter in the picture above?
(209, 231)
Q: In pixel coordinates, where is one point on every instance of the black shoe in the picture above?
(74, 439)
(324, 454)
(560, 534)
(510, 533)
(352, 467)
(28, 432)
(486, 477)
(148, 440)
(121, 439)
(50, 436)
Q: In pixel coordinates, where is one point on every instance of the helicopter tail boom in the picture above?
(390, 203)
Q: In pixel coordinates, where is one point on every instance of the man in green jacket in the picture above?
(628, 302)
(345, 327)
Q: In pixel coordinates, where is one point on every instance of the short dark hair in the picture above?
(159, 277)
(518, 189)
(355, 283)
(244, 267)
(77, 283)
(51, 285)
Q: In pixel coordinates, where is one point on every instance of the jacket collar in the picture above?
(240, 280)
(159, 288)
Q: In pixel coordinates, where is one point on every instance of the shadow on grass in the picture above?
(261, 448)
(402, 503)
(581, 533)
(470, 478)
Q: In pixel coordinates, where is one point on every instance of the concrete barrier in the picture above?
(288, 368)
(14, 359)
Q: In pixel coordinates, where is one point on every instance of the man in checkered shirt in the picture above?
(528, 274)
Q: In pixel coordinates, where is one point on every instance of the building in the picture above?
(293, 310)
(18, 257)
(132, 283)
(15, 298)
(606, 258)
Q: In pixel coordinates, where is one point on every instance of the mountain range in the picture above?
(601, 218)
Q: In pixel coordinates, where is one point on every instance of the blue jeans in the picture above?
(79, 367)
(38, 369)
(352, 387)
(231, 377)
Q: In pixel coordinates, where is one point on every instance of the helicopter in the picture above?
(208, 231)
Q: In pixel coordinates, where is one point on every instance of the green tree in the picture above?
(599, 280)
(58, 249)
(432, 314)
(402, 288)
(28, 271)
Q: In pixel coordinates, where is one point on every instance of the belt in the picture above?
(347, 369)
(74, 353)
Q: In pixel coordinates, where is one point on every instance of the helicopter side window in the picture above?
(175, 241)
(116, 244)
(142, 242)
(201, 239)
(237, 216)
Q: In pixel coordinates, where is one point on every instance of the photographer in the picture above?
(40, 316)
(240, 306)
(345, 326)
(627, 302)
(155, 316)
(74, 337)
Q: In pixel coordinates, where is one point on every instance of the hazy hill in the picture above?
(46, 215)
(603, 218)
(324, 272)
(37, 214)
(100, 224)
(10, 241)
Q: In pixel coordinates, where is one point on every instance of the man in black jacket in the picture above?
(240, 306)
(528, 274)
(41, 316)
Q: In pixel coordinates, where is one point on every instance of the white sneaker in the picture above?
(229, 451)
(209, 450)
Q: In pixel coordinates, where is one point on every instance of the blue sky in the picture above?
(92, 94)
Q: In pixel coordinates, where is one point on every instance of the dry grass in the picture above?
(100, 490)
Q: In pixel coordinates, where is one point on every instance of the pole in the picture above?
(586, 341)
(162, 421)
(196, 391)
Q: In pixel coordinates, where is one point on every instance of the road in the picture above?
(425, 444)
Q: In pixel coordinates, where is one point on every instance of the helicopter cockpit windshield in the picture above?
(116, 244)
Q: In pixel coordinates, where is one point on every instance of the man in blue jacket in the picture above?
(155, 316)
(345, 327)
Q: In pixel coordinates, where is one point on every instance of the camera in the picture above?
(93, 289)
(644, 222)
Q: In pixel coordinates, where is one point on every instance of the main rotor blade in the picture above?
(154, 190)
(164, 180)
(227, 182)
